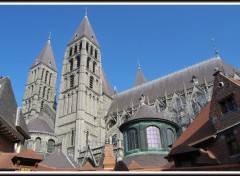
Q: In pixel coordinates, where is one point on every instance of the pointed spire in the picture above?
(84, 30)
(115, 90)
(140, 78)
(86, 11)
(216, 52)
(49, 37)
(139, 67)
(46, 56)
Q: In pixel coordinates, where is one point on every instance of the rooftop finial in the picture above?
(49, 36)
(139, 67)
(216, 52)
(86, 11)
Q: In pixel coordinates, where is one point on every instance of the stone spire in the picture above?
(84, 30)
(140, 78)
(46, 56)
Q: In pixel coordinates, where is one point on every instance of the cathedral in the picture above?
(89, 111)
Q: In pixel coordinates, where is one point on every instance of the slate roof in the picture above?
(84, 30)
(8, 111)
(170, 83)
(46, 57)
(140, 78)
(200, 128)
(38, 124)
(58, 160)
(144, 111)
(107, 89)
(146, 160)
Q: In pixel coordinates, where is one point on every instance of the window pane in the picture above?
(132, 139)
(153, 137)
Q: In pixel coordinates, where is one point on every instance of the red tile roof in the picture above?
(200, 128)
(30, 154)
(6, 161)
(134, 165)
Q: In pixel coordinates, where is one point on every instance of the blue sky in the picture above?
(165, 38)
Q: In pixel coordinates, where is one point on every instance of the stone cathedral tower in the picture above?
(41, 84)
(85, 94)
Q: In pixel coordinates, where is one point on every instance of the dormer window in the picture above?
(194, 80)
(228, 105)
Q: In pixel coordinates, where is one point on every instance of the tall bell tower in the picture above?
(81, 104)
(41, 84)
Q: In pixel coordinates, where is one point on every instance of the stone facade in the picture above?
(41, 85)
(81, 104)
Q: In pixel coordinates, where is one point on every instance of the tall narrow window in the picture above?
(42, 103)
(35, 74)
(71, 64)
(39, 91)
(132, 139)
(80, 47)
(88, 62)
(78, 61)
(32, 89)
(87, 45)
(44, 90)
(38, 144)
(232, 143)
(75, 49)
(153, 137)
(50, 77)
(91, 82)
(42, 74)
(72, 137)
(48, 93)
(46, 75)
(95, 54)
(50, 145)
(94, 66)
(71, 80)
(170, 136)
(91, 50)
(70, 52)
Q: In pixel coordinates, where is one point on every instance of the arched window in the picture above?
(87, 46)
(71, 80)
(32, 88)
(39, 91)
(46, 76)
(132, 139)
(38, 144)
(94, 66)
(91, 50)
(95, 54)
(50, 146)
(75, 49)
(50, 79)
(71, 64)
(42, 74)
(72, 137)
(153, 137)
(80, 47)
(91, 82)
(70, 52)
(44, 90)
(170, 136)
(48, 93)
(42, 103)
(88, 62)
(78, 61)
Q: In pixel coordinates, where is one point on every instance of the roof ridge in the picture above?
(170, 74)
(70, 161)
